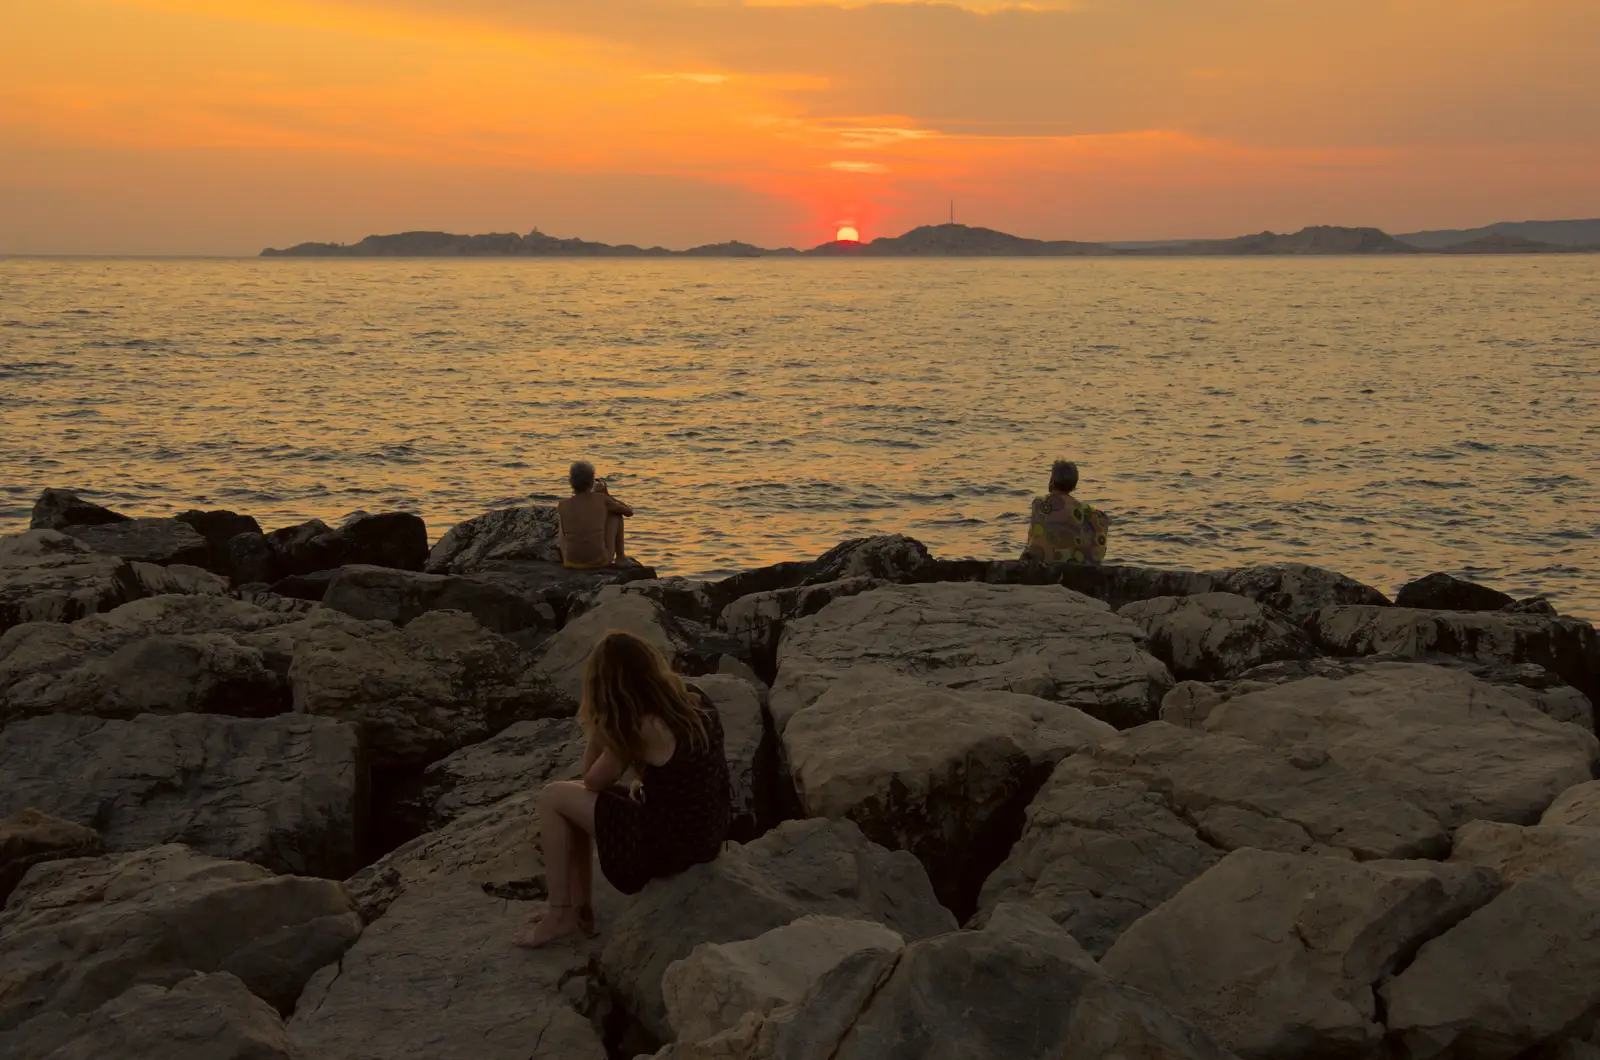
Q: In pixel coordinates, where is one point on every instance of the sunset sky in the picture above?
(222, 126)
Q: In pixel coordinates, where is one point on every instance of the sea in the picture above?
(1383, 417)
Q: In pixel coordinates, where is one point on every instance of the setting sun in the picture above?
(848, 235)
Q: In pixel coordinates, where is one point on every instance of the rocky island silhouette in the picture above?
(965, 241)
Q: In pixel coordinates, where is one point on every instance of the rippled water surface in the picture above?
(1384, 417)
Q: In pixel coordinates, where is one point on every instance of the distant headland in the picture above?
(964, 241)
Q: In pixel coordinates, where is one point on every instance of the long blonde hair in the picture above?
(627, 679)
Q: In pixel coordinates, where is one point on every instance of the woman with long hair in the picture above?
(638, 715)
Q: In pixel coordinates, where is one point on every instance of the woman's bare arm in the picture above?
(605, 771)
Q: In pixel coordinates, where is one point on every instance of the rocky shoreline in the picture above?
(273, 795)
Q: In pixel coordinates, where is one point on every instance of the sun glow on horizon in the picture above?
(847, 234)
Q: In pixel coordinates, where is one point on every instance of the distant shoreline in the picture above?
(962, 241)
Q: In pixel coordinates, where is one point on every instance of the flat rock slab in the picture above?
(799, 868)
(1210, 636)
(159, 541)
(522, 758)
(1566, 646)
(1458, 747)
(941, 773)
(287, 793)
(76, 934)
(1043, 641)
(1521, 972)
(1120, 827)
(1279, 954)
(46, 576)
(203, 1017)
(399, 596)
(193, 654)
(436, 978)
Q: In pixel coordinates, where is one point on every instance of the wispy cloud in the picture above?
(690, 78)
(858, 167)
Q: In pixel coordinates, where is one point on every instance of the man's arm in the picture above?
(561, 537)
(616, 506)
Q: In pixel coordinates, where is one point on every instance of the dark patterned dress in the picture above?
(680, 819)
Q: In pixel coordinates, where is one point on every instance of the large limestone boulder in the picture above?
(1566, 646)
(941, 773)
(46, 576)
(30, 837)
(1020, 989)
(437, 979)
(288, 793)
(1279, 954)
(1296, 589)
(421, 692)
(1043, 641)
(193, 654)
(889, 557)
(1122, 826)
(683, 643)
(218, 528)
(178, 580)
(203, 1017)
(522, 758)
(389, 539)
(399, 596)
(1515, 852)
(57, 509)
(757, 621)
(1458, 747)
(1210, 636)
(799, 868)
(718, 984)
(685, 599)
(1445, 592)
(750, 746)
(1098, 851)
(1541, 689)
(159, 541)
(78, 933)
(526, 533)
(1578, 805)
(1521, 972)
(494, 848)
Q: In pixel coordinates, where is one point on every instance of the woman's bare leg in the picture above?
(582, 876)
(566, 811)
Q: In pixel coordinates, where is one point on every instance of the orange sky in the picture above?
(221, 126)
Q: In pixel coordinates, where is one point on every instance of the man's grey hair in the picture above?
(581, 475)
(1064, 476)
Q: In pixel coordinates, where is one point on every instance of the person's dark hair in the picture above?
(1063, 476)
(581, 476)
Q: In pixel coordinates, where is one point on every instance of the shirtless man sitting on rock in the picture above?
(591, 523)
